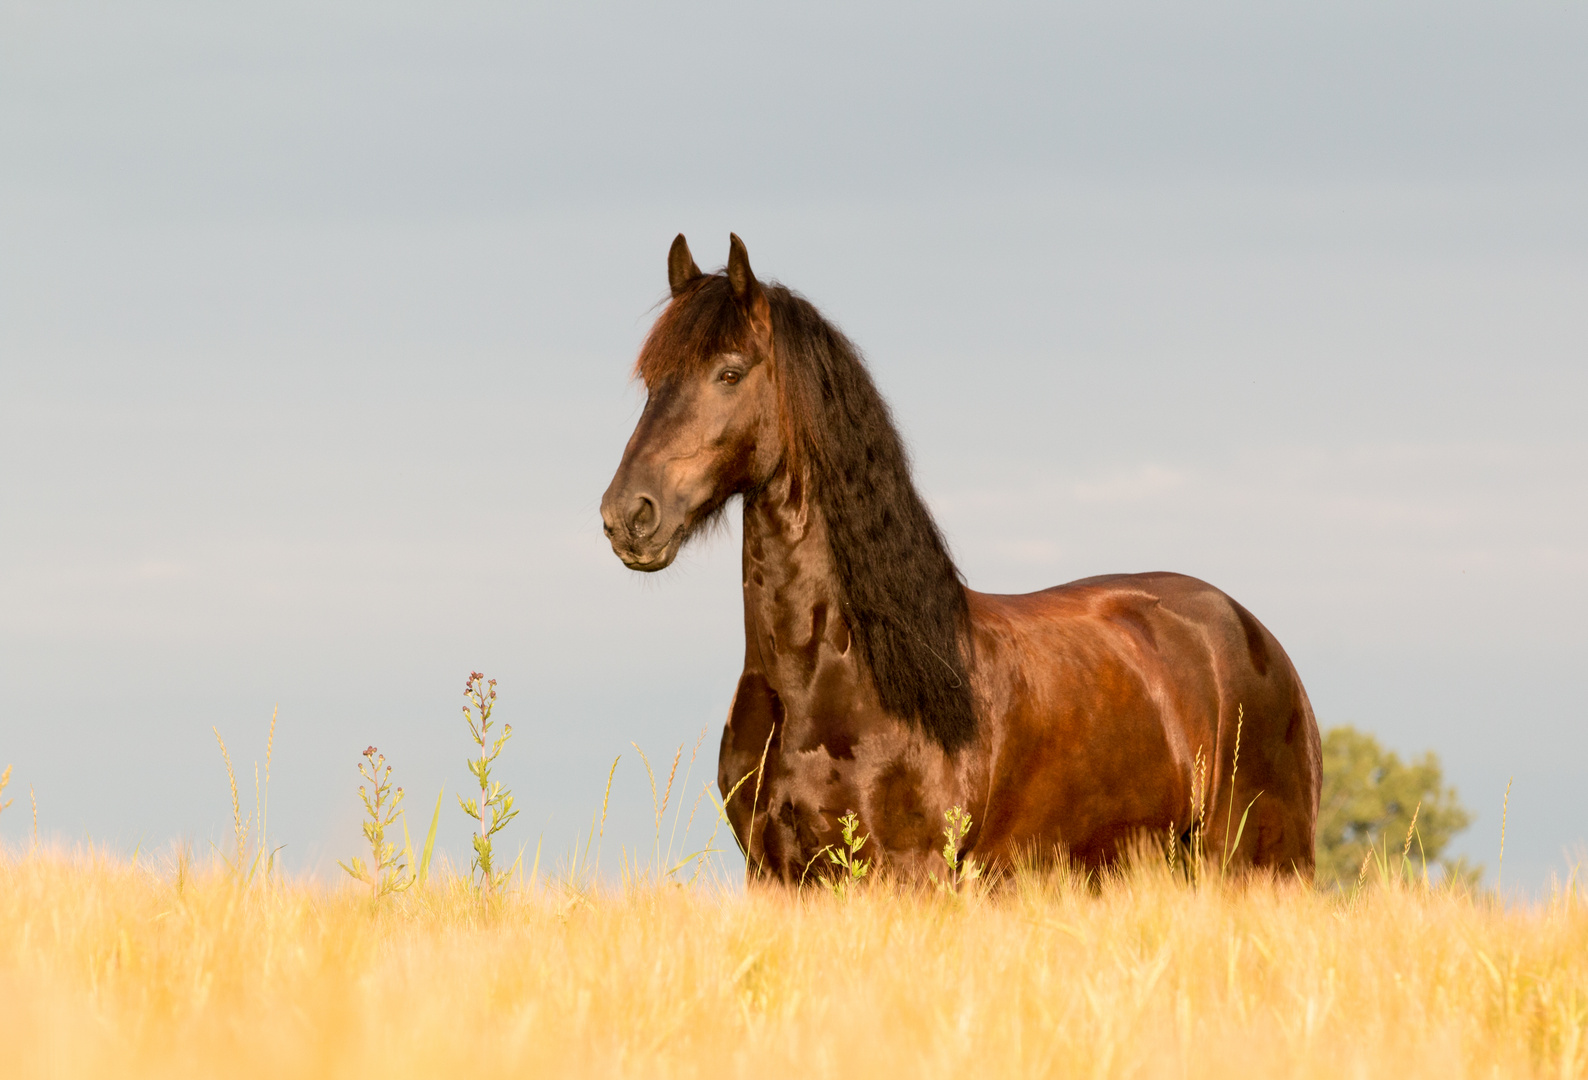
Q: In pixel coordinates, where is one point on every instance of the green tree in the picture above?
(1369, 796)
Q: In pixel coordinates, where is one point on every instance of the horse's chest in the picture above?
(799, 753)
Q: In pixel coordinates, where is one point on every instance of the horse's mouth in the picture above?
(657, 558)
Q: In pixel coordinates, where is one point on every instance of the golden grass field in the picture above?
(108, 969)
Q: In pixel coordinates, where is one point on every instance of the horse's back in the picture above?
(1124, 682)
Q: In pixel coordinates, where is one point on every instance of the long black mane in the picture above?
(903, 597)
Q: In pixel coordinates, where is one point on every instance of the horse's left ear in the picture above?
(740, 276)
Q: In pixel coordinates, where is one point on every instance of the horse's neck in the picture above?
(791, 598)
(808, 699)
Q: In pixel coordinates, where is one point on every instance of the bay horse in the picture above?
(1067, 722)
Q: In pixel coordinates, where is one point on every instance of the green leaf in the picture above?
(1241, 828)
(430, 840)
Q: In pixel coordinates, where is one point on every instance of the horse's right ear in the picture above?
(681, 268)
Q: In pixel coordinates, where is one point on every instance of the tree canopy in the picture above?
(1369, 797)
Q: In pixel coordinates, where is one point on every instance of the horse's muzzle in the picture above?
(633, 525)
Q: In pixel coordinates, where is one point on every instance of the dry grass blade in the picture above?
(606, 797)
(688, 772)
(667, 792)
(1235, 768)
(1411, 830)
(755, 799)
(656, 807)
(240, 827)
(1505, 812)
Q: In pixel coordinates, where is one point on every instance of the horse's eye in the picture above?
(730, 376)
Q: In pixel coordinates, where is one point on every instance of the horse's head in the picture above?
(710, 427)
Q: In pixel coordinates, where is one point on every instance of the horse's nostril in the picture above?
(645, 517)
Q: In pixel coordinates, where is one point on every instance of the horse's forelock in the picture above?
(703, 321)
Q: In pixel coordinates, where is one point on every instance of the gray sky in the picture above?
(315, 328)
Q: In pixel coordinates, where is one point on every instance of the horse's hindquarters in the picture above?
(1113, 706)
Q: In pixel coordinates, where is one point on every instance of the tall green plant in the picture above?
(849, 868)
(387, 872)
(493, 809)
(961, 869)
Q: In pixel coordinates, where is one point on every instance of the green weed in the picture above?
(387, 873)
(494, 808)
(961, 869)
(848, 868)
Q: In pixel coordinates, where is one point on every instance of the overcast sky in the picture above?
(316, 324)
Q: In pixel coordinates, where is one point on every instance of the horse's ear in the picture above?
(740, 276)
(681, 268)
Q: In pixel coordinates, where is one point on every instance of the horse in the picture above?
(1067, 723)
